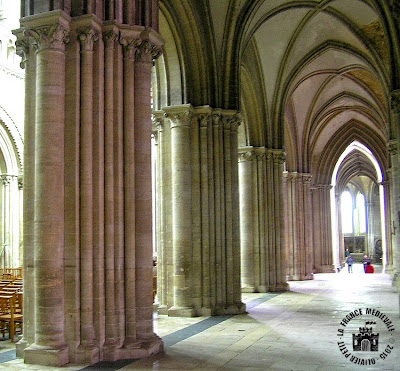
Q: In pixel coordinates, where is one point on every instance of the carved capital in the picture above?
(216, 119)
(246, 156)
(129, 47)
(146, 51)
(87, 37)
(278, 156)
(204, 120)
(20, 182)
(22, 49)
(179, 119)
(158, 123)
(110, 37)
(49, 37)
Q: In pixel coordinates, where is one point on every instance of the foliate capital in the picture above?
(87, 37)
(129, 47)
(22, 49)
(146, 51)
(110, 37)
(246, 156)
(278, 156)
(180, 119)
(49, 37)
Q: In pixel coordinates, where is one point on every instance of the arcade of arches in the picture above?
(260, 115)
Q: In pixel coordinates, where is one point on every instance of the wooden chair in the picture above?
(9, 319)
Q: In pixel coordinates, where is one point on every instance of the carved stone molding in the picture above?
(49, 37)
(87, 37)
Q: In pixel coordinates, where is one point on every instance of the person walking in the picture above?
(350, 262)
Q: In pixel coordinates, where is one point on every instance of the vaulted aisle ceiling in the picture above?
(323, 75)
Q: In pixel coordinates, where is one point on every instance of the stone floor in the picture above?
(296, 330)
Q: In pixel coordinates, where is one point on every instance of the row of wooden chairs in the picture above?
(11, 307)
(11, 273)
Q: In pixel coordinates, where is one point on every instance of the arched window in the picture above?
(360, 213)
(347, 212)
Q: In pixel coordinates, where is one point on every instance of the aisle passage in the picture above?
(296, 330)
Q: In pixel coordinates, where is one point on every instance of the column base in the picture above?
(248, 289)
(162, 309)
(326, 268)
(238, 308)
(20, 347)
(181, 312)
(87, 354)
(135, 349)
(46, 356)
(280, 287)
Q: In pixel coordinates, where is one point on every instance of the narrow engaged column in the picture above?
(129, 190)
(181, 210)
(29, 62)
(205, 120)
(49, 347)
(110, 38)
(87, 38)
(246, 185)
(145, 53)
(280, 262)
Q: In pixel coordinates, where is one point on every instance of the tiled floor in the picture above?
(296, 330)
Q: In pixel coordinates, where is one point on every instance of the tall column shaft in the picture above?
(246, 162)
(322, 229)
(49, 333)
(181, 211)
(87, 38)
(143, 190)
(110, 38)
(129, 190)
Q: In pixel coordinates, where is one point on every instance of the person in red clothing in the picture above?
(369, 268)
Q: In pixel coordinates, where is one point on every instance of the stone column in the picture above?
(49, 341)
(145, 53)
(322, 228)
(246, 202)
(87, 37)
(26, 50)
(180, 118)
(299, 236)
(110, 37)
(395, 189)
(129, 45)
(277, 159)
